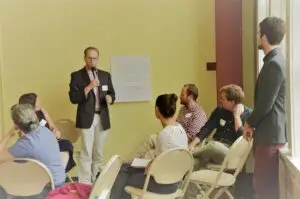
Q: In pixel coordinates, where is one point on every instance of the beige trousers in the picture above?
(91, 154)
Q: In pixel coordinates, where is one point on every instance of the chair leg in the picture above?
(70, 177)
(202, 197)
(230, 196)
(134, 197)
(220, 193)
(204, 194)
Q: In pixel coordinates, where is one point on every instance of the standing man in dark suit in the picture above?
(267, 122)
(92, 90)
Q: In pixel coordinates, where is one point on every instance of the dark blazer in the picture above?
(86, 104)
(268, 117)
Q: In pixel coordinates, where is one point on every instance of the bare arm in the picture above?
(4, 154)
(237, 123)
(52, 126)
(237, 112)
(194, 143)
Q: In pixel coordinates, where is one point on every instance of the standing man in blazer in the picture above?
(267, 122)
(92, 90)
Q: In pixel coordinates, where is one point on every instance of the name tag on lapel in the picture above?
(104, 88)
(188, 115)
(222, 122)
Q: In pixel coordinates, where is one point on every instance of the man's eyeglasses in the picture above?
(92, 58)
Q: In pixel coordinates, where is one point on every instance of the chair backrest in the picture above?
(24, 177)
(170, 167)
(106, 179)
(237, 155)
(68, 129)
(64, 158)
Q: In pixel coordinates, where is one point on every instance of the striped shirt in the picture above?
(95, 90)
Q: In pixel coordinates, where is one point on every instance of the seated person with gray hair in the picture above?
(35, 142)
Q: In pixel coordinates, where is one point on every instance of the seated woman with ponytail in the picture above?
(35, 142)
(171, 136)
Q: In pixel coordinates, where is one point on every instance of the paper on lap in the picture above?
(140, 163)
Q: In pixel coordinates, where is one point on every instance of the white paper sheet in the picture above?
(131, 78)
(140, 163)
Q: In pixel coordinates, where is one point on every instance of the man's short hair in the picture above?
(90, 48)
(192, 90)
(233, 93)
(274, 28)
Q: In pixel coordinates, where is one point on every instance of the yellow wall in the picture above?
(248, 50)
(42, 43)
(1, 101)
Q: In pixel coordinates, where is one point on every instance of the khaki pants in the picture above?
(91, 154)
(213, 152)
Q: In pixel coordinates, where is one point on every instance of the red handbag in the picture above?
(71, 191)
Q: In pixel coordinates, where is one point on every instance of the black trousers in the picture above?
(129, 176)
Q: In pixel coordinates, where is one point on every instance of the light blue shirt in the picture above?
(41, 145)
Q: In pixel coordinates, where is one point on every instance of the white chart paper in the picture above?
(131, 78)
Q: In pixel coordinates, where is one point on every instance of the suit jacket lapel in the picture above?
(85, 76)
(99, 76)
(100, 82)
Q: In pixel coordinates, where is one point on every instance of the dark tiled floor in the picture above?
(243, 186)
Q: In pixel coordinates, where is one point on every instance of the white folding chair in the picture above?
(167, 168)
(24, 177)
(68, 129)
(65, 159)
(106, 179)
(208, 180)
